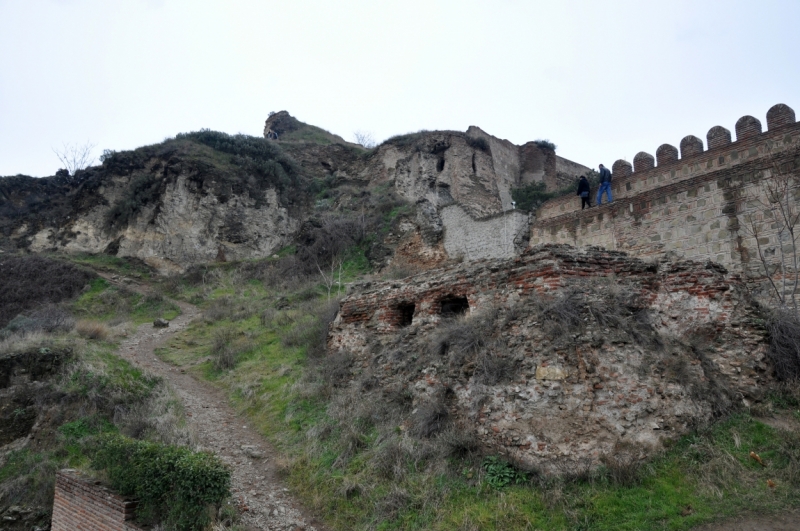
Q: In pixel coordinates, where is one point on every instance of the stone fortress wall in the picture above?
(503, 235)
(691, 203)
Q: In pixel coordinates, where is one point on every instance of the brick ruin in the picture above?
(83, 504)
(649, 351)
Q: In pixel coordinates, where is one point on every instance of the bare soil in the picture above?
(263, 499)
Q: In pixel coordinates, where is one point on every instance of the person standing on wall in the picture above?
(583, 192)
(605, 185)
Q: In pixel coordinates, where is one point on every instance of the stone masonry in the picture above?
(503, 235)
(705, 205)
(549, 397)
(82, 504)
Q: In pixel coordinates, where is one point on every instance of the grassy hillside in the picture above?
(262, 340)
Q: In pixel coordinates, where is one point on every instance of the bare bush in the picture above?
(389, 459)
(75, 157)
(267, 315)
(783, 327)
(563, 314)
(491, 368)
(335, 368)
(623, 465)
(456, 441)
(365, 138)
(53, 318)
(776, 223)
(429, 419)
(28, 282)
(227, 346)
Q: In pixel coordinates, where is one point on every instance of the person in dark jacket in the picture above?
(583, 192)
(605, 185)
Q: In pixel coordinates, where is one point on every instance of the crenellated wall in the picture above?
(691, 203)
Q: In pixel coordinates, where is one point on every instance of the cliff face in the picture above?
(559, 357)
(183, 227)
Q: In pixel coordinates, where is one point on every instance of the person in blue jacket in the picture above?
(605, 185)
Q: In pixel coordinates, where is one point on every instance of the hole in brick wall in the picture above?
(406, 311)
(453, 306)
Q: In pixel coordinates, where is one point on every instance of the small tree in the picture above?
(75, 157)
(329, 278)
(775, 195)
(365, 138)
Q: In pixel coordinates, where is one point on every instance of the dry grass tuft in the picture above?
(227, 345)
(93, 330)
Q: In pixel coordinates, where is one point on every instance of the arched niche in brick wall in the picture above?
(691, 145)
(643, 161)
(718, 136)
(666, 153)
(621, 168)
(780, 114)
(747, 126)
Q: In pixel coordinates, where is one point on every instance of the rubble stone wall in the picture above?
(573, 397)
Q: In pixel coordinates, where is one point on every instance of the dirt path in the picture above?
(255, 484)
(784, 522)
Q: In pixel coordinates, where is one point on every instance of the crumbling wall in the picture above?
(560, 356)
(500, 236)
(568, 172)
(82, 503)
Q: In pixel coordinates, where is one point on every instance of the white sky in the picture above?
(601, 79)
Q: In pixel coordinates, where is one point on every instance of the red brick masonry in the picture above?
(82, 504)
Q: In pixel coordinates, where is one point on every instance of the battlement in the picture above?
(671, 165)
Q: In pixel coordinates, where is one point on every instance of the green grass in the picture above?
(104, 301)
(114, 264)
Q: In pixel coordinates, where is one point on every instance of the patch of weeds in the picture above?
(500, 474)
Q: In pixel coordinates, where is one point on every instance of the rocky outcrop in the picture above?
(183, 228)
(560, 357)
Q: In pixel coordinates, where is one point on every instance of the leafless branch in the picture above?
(75, 157)
(365, 138)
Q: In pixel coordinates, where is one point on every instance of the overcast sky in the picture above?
(601, 79)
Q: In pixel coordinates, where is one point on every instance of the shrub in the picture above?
(545, 144)
(28, 282)
(253, 154)
(226, 347)
(478, 143)
(783, 327)
(173, 484)
(430, 419)
(143, 190)
(92, 330)
(532, 196)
